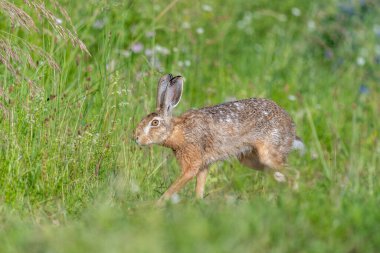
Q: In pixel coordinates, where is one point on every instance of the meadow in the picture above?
(72, 180)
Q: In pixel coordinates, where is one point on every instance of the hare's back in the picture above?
(253, 111)
(251, 119)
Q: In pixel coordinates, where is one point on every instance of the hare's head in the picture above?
(156, 127)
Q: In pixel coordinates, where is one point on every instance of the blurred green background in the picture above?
(71, 179)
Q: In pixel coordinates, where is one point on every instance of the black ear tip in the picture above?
(174, 79)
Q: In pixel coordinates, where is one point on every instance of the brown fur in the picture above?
(256, 131)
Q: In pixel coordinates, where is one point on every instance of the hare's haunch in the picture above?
(257, 131)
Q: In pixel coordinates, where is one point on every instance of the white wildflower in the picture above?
(185, 63)
(162, 50)
(311, 25)
(175, 199)
(186, 25)
(245, 21)
(58, 21)
(296, 12)
(292, 98)
(149, 52)
(360, 61)
(245, 24)
(206, 8)
(126, 53)
(200, 30)
(123, 104)
(99, 24)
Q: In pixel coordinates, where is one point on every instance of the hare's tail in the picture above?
(299, 145)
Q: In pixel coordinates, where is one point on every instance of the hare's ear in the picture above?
(173, 94)
(163, 84)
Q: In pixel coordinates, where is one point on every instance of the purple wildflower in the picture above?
(137, 47)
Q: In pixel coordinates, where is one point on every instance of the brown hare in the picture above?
(257, 131)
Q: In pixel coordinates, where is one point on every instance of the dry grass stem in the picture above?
(62, 31)
(17, 15)
(14, 51)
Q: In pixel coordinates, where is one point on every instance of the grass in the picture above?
(71, 179)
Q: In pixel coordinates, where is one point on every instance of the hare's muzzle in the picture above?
(136, 138)
(139, 138)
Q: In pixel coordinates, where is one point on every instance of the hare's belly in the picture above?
(223, 147)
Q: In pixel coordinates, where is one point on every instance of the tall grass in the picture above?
(73, 181)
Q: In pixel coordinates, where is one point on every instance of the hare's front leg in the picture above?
(188, 173)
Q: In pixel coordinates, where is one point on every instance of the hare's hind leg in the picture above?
(201, 181)
(263, 156)
(251, 160)
(273, 159)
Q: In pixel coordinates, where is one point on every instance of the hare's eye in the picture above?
(155, 122)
